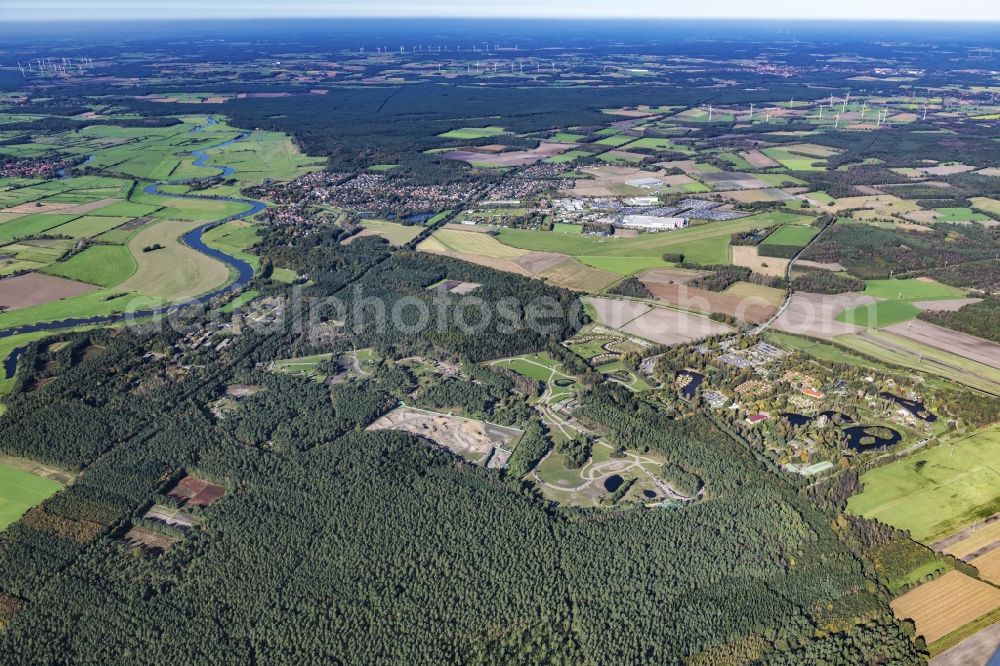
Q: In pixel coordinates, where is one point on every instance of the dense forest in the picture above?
(336, 544)
(871, 252)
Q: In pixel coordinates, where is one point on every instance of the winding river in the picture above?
(193, 239)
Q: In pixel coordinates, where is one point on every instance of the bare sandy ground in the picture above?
(815, 314)
(746, 255)
(975, 650)
(966, 346)
(615, 313)
(24, 291)
(671, 327)
(670, 275)
(833, 266)
(511, 159)
(947, 306)
(755, 310)
(758, 159)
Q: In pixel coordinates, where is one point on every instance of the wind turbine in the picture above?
(847, 98)
(836, 122)
(23, 75)
(751, 112)
(925, 112)
(864, 109)
(709, 113)
(767, 116)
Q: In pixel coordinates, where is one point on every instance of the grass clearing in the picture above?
(20, 491)
(880, 314)
(920, 289)
(791, 234)
(472, 242)
(395, 233)
(176, 271)
(103, 265)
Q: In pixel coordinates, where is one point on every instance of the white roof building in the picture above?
(652, 223)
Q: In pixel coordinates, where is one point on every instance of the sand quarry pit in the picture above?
(24, 291)
(471, 439)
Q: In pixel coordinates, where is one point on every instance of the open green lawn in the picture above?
(103, 265)
(704, 241)
(624, 265)
(959, 215)
(936, 491)
(19, 491)
(568, 156)
(791, 234)
(397, 234)
(615, 141)
(30, 225)
(90, 226)
(566, 137)
(656, 144)
(880, 314)
(795, 162)
(235, 238)
(561, 228)
(913, 289)
(473, 133)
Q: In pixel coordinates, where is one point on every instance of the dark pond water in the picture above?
(914, 407)
(10, 363)
(563, 383)
(696, 380)
(856, 433)
(802, 419)
(613, 483)
(418, 218)
(649, 494)
(796, 419)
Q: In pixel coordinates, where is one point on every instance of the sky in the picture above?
(111, 10)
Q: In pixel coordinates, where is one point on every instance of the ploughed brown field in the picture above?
(747, 309)
(24, 291)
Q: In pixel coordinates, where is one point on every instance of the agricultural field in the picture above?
(938, 490)
(896, 349)
(397, 234)
(102, 265)
(791, 234)
(175, 271)
(473, 133)
(946, 604)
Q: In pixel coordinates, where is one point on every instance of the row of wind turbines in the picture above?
(881, 115)
(50, 65)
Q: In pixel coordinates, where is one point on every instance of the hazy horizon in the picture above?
(17, 11)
